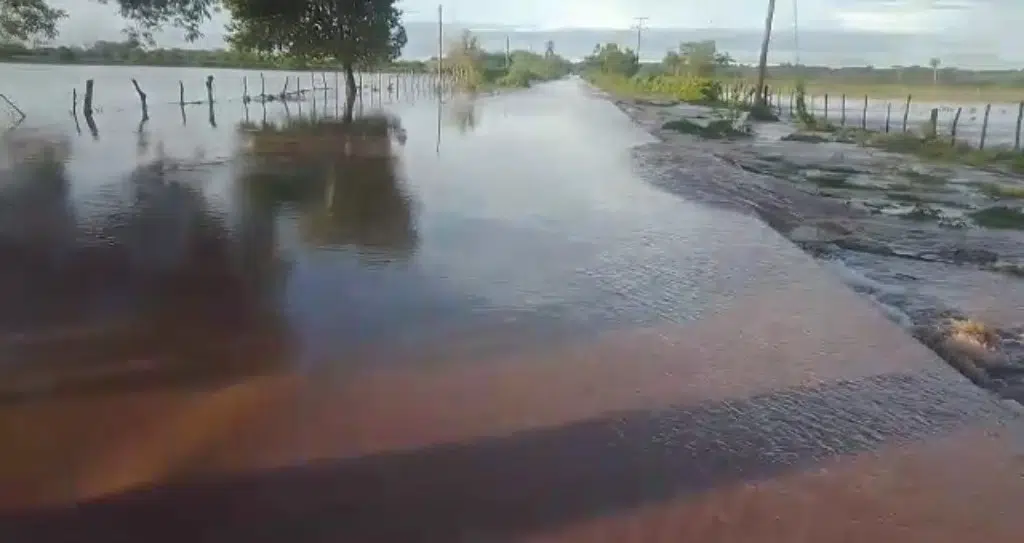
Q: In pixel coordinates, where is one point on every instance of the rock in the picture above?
(968, 255)
(1014, 392)
(1006, 370)
(812, 234)
(862, 245)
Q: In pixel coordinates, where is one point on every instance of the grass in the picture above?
(998, 191)
(926, 92)
(935, 149)
(972, 332)
(716, 129)
(999, 217)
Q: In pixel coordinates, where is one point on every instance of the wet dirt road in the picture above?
(532, 344)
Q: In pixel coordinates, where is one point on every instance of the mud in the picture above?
(935, 246)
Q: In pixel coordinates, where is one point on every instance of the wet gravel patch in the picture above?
(933, 245)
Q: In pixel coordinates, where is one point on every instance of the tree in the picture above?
(610, 59)
(762, 65)
(698, 58)
(935, 62)
(24, 20)
(354, 32)
(549, 49)
(151, 15)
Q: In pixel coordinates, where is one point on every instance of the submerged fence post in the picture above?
(906, 113)
(74, 102)
(245, 89)
(87, 102)
(1016, 134)
(984, 126)
(864, 115)
(181, 93)
(956, 123)
(888, 115)
(933, 124)
(826, 106)
(142, 98)
(842, 120)
(209, 89)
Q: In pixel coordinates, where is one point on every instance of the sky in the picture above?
(995, 22)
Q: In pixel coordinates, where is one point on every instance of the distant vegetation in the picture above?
(475, 69)
(132, 52)
(688, 74)
(617, 69)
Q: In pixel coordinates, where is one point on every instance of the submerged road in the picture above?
(594, 360)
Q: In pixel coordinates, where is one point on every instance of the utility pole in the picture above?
(762, 66)
(440, 44)
(796, 32)
(508, 52)
(639, 29)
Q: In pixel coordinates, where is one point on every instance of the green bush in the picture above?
(684, 88)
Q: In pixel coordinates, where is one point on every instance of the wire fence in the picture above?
(978, 125)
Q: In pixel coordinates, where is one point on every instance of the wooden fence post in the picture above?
(245, 89)
(906, 113)
(142, 98)
(933, 124)
(826, 106)
(864, 115)
(87, 102)
(209, 88)
(956, 122)
(984, 126)
(74, 102)
(888, 114)
(1016, 134)
(181, 93)
(842, 121)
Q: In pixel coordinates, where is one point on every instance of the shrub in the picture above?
(678, 87)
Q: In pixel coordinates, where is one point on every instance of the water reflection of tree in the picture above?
(154, 290)
(342, 175)
(464, 114)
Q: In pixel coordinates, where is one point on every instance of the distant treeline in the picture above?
(132, 53)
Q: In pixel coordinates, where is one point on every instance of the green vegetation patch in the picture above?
(999, 217)
(998, 191)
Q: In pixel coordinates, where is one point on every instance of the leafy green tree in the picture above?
(24, 20)
(355, 32)
(611, 59)
(697, 58)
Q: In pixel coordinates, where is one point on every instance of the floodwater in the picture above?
(468, 320)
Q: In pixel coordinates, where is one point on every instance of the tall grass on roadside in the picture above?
(683, 88)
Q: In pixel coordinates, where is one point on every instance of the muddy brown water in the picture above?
(468, 321)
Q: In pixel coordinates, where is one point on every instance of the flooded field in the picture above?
(442, 320)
